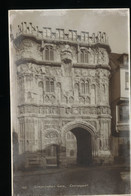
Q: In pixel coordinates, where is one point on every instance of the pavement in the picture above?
(42, 171)
(71, 181)
(38, 171)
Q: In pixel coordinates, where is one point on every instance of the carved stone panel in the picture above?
(61, 90)
(29, 49)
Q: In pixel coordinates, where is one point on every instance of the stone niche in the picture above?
(66, 54)
(29, 49)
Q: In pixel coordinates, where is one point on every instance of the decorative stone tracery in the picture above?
(63, 81)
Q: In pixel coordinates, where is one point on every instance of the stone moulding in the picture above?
(58, 64)
(81, 124)
(44, 63)
(89, 66)
(55, 110)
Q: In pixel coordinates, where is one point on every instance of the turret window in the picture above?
(49, 53)
(84, 56)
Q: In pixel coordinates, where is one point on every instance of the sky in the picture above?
(115, 22)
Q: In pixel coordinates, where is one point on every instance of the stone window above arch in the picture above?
(50, 85)
(49, 53)
(84, 87)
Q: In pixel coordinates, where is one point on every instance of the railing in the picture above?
(59, 34)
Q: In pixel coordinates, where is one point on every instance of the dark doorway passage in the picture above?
(84, 150)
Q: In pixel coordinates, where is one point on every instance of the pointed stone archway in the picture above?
(85, 135)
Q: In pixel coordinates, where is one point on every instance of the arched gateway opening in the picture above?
(84, 151)
(78, 147)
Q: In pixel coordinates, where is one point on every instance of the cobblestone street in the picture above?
(80, 181)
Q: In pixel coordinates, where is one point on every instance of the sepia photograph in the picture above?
(69, 95)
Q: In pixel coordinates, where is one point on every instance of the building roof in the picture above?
(115, 60)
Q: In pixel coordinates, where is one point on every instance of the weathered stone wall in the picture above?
(80, 93)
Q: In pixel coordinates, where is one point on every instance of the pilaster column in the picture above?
(78, 54)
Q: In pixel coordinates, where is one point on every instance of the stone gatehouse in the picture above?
(63, 105)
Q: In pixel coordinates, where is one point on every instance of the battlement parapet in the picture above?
(47, 33)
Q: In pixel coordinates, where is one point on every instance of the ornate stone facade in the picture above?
(63, 87)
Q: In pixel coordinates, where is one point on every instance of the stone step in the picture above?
(119, 160)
